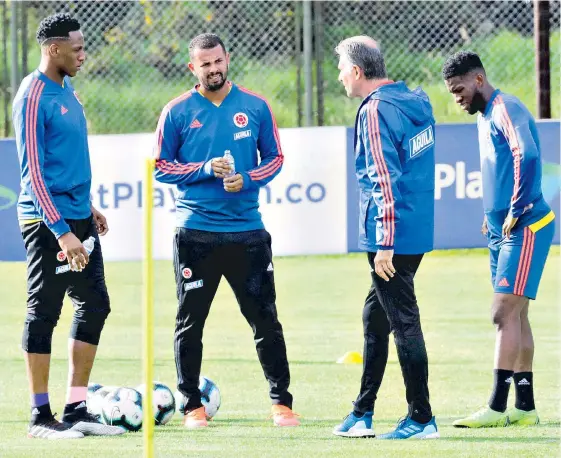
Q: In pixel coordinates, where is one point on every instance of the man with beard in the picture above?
(219, 227)
(519, 226)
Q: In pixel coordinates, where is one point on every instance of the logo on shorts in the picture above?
(187, 273)
(270, 268)
(193, 285)
(60, 256)
(240, 120)
(504, 283)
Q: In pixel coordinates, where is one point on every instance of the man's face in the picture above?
(210, 66)
(348, 76)
(466, 90)
(69, 55)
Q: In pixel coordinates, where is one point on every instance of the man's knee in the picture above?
(89, 319)
(506, 308)
(38, 332)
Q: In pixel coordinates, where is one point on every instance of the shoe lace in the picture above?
(402, 421)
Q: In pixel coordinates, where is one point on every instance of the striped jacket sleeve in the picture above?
(384, 170)
(515, 126)
(29, 125)
(270, 152)
(167, 168)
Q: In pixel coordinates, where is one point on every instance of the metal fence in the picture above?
(137, 52)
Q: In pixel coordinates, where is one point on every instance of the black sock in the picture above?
(524, 385)
(41, 413)
(358, 414)
(499, 398)
(70, 408)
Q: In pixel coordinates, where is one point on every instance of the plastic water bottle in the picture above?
(89, 244)
(230, 159)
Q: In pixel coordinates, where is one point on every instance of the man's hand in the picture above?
(383, 265)
(100, 221)
(220, 167)
(233, 183)
(75, 252)
(509, 223)
(484, 227)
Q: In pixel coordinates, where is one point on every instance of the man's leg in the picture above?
(375, 357)
(45, 292)
(376, 343)
(248, 267)
(197, 275)
(519, 266)
(88, 292)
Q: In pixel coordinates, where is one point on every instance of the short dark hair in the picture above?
(205, 41)
(461, 63)
(57, 25)
(370, 59)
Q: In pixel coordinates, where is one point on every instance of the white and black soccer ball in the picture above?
(123, 407)
(210, 397)
(95, 397)
(163, 402)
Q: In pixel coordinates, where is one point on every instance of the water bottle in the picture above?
(230, 159)
(89, 244)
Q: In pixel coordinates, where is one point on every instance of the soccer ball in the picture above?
(210, 397)
(95, 397)
(163, 402)
(123, 407)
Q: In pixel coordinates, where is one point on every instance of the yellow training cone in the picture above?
(351, 357)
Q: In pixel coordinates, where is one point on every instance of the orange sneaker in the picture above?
(195, 419)
(284, 416)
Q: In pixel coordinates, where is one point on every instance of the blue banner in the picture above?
(11, 243)
(458, 205)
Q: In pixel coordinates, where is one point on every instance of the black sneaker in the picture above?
(82, 421)
(49, 428)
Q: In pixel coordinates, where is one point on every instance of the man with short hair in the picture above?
(219, 227)
(395, 168)
(60, 229)
(519, 225)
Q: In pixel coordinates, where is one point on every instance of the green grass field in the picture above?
(319, 302)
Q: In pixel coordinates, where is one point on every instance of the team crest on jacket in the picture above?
(60, 256)
(240, 120)
(187, 273)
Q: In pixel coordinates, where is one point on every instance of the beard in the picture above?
(477, 104)
(219, 84)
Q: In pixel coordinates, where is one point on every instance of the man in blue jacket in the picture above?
(219, 227)
(519, 225)
(60, 229)
(395, 168)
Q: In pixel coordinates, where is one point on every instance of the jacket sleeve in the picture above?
(270, 152)
(515, 126)
(384, 170)
(29, 125)
(167, 168)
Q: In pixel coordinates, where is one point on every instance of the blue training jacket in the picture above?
(192, 131)
(511, 167)
(395, 167)
(52, 143)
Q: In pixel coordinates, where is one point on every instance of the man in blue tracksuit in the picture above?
(519, 225)
(60, 229)
(395, 168)
(219, 227)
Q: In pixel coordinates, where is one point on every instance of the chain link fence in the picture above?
(138, 51)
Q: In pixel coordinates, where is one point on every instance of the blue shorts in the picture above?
(517, 263)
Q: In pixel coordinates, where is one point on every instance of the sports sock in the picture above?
(524, 385)
(499, 397)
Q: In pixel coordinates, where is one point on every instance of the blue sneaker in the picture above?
(410, 429)
(354, 426)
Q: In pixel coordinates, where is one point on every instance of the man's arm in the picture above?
(515, 125)
(384, 169)
(270, 152)
(167, 169)
(29, 126)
